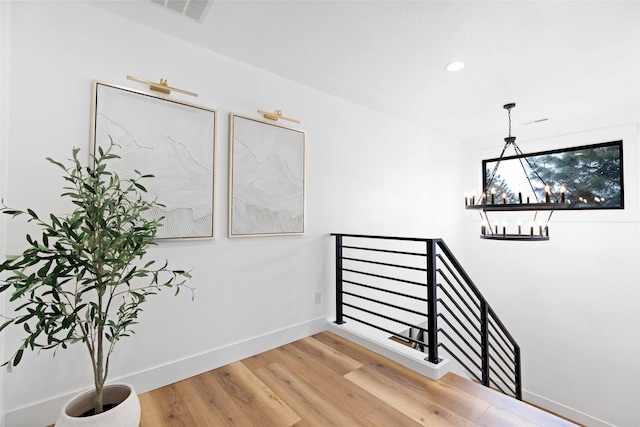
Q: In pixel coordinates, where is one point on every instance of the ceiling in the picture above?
(558, 60)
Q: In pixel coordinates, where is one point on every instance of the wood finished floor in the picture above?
(325, 380)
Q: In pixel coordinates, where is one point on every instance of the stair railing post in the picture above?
(432, 303)
(339, 314)
(484, 341)
(518, 374)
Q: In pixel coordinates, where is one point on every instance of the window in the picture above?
(591, 175)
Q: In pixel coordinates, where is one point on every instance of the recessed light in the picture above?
(455, 66)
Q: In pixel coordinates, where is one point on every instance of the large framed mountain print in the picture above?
(172, 140)
(266, 178)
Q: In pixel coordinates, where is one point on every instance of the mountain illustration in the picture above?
(267, 195)
(180, 182)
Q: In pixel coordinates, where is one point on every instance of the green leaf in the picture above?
(89, 188)
(18, 357)
(140, 186)
(12, 212)
(5, 324)
(56, 163)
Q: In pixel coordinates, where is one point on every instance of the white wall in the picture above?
(572, 302)
(5, 25)
(366, 173)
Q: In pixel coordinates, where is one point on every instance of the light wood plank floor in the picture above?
(325, 380)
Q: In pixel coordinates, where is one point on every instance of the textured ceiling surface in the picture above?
(559, 60)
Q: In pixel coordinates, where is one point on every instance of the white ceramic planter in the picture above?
(126, 414)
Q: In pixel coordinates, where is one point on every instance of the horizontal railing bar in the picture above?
(380, 328)
(510, 358)
(385, 290)
(500, 366)
(411, 325)
(384, 264)
(460, 270)
(470, 333)
(464, 365)
(497, 386)
(384, 303)
(502, 337)
(475, 315)
(477, 353)
(495, 318)
(444, 304)
(475, 303)
(496, 374)
(464, 288)
(508, 353)
(385, 251)
(460, 322)
(505, 362)
(460, 297)
(443, 246)
(404, 239)
(452, 341)
(379, 276)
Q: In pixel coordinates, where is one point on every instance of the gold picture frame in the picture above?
(267, 178)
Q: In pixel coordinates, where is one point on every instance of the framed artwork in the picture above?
(266, 178)
(173, 140)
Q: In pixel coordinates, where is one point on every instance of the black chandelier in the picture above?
(537, 228)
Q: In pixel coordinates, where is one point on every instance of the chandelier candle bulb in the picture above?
(519, 227)
(504, 228)
(563, 190)
(473, 198)
(466, 199)
(504, 198)
(547, 191)
(531, 228)
(493, 196)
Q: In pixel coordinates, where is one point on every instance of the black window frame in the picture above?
(573, 206)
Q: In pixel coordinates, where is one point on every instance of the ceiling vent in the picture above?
(194, 9)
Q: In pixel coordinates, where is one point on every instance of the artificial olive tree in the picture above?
(86, 279)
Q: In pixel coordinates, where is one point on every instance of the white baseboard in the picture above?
(562, 410)
(46, 412)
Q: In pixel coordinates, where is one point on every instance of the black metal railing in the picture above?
(415, 291)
